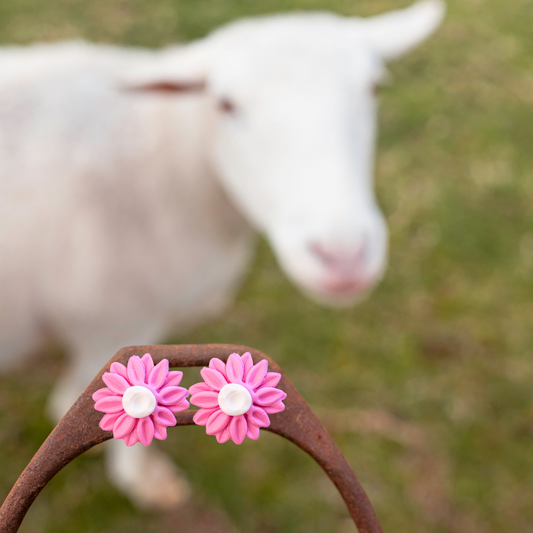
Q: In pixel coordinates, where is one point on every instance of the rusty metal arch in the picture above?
(78, 431)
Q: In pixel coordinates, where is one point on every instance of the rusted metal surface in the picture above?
(78, 431)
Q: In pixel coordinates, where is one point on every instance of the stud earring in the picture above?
(236, 398)
(139, 400)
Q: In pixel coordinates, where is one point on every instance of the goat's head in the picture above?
(294, 133)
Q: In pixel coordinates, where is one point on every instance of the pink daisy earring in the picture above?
(236, 398)
(139, 400)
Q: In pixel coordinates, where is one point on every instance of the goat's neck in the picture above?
(185, 132)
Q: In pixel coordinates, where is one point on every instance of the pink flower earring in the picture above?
(236, 398)
(139, 400)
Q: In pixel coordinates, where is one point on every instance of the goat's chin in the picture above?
(337, 295)
(337, 300)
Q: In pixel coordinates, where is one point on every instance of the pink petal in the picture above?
(271, 379)
(234, 368)
(109, 404)
(253, 431)
(276, 408)
(145, 430)
(102, 393)
(136, 370)
(108, 421)
(257, 373)
(247, 362)
(116, 383)
(124, 425)
(202, 416)
(163, 416)
(207, 399)
(173, 378)
(148, 362)
(223, 436)
(158, 375)
(120, 369)
(213, 378)
(170, 395)
(177, 407)
(217, 422)
(217, 364)
(160, 432)
(199, 387)
(269, 396)
(258, 417)
(238, 428)
(131, 439)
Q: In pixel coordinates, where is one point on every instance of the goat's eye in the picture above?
(227, 106)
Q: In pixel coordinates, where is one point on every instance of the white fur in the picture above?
(126, 212)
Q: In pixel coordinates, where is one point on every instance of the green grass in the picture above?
(428, 385)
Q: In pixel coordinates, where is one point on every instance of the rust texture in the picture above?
(78, 431)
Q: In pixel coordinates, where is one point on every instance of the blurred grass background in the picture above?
(428, 385)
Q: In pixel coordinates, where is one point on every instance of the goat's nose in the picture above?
(343, 260)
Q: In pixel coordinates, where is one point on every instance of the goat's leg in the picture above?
(146, 475)
(82, 365)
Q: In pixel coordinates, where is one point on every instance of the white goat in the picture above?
(130, 181)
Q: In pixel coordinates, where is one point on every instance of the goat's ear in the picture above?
(171, 71)
(396, 32)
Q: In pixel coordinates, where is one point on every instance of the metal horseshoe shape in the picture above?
(78, 431)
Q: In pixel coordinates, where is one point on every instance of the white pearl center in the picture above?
(139, 401)
(234, 399)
